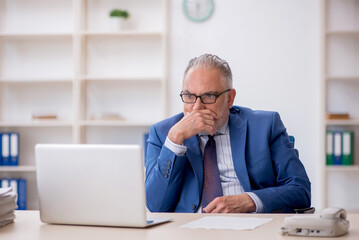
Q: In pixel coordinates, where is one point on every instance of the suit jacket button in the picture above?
(193, 206)
(165, 175)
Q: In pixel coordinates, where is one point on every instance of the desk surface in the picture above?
(28, 226)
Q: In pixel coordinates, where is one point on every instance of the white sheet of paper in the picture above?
(234, 223)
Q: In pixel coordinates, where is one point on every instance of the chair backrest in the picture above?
(308, 210)
(292, 140)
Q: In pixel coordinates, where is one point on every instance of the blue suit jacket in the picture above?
(264, 160)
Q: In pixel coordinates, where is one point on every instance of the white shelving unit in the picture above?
(341, 94)
(63, 57)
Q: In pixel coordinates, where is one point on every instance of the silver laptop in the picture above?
(85, 184)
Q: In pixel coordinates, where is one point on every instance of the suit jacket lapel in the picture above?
(238, 135)
(194, 156)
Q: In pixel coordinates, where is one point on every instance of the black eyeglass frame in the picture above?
(200, 97)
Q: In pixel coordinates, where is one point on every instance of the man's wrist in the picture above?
(179, 150)
(259, 208)
(175, 138)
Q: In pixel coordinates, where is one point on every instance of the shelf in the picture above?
(340, 58)
(17, 169)
(342, 32)
(35, 35)
(39, 123)
(108, 123)
(341, 78)
(34, 80)
(65, 58)
(350, 122)
(121, 34)
(350, 168)
(130, 79)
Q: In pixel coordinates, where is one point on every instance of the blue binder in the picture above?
(5, 149)
(22, 194)
(14, 149)
(338, 148)
(1, 163)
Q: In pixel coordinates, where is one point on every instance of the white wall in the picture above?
(273, 48)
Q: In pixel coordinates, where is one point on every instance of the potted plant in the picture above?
(117, 16)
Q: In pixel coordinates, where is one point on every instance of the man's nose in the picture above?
(198, 104)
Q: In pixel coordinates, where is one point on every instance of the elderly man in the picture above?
(219, 158)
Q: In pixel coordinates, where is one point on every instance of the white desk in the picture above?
(28, 226)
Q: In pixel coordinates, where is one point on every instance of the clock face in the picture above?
(198, 10)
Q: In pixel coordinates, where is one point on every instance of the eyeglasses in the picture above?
(205, 98)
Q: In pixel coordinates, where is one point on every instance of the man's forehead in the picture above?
(201, 93)
(202, 81)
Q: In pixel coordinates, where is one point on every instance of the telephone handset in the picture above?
(331, 222)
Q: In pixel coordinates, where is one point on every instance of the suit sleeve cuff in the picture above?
(257, 201)
(179, 150)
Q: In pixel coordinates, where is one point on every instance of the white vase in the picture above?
(116, 23)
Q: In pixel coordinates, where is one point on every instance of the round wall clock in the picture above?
(198, 10)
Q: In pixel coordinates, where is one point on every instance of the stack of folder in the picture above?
(7, 206)
(339, 147)
(19, 187)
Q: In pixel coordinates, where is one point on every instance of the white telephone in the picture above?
(331, 222)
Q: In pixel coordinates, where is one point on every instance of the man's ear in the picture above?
(231, 96)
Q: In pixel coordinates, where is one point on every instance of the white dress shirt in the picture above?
(229, 180)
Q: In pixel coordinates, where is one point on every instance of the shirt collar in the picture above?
(221, 131)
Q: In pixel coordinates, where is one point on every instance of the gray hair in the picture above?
(210, 61)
